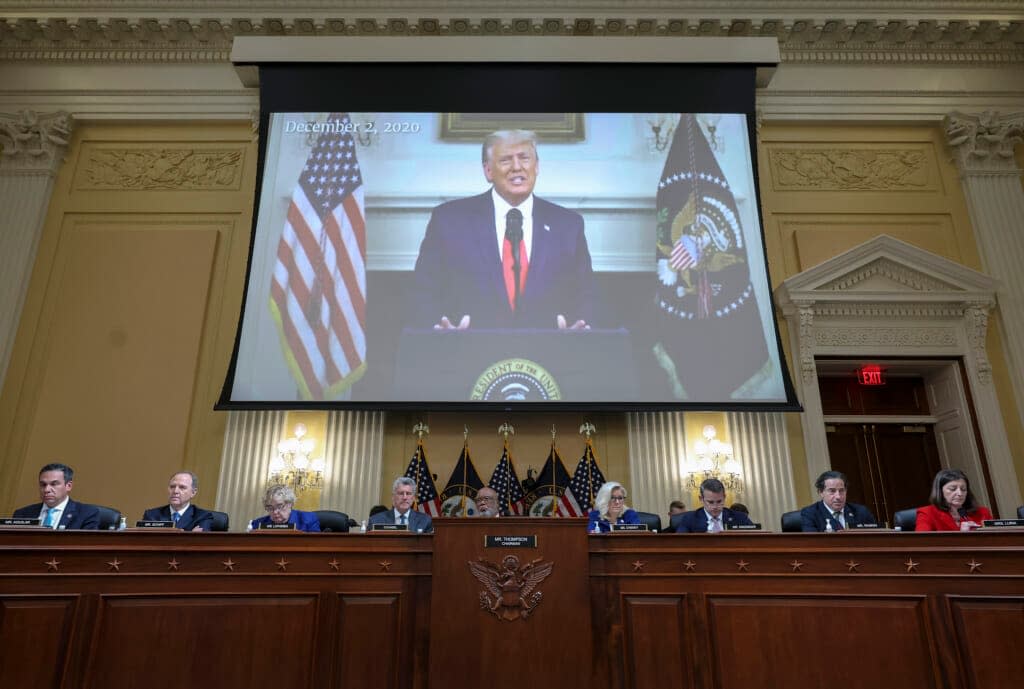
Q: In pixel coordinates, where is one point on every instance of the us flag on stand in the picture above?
(505, 481)
(318, 290)
(427, 499)
(587, 479)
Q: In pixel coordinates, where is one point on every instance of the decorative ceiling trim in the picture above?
(208, 38)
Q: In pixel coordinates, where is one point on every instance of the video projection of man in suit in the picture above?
(475, 249)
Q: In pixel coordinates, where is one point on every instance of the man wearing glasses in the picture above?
(279, 502)
(487, 502)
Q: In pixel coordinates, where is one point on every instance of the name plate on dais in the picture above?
(1003, 522)
(628, 527)
(277, 527)
(743, 527)
(390, 527)
(19, 521)
(154, 524)
(510, 541)
(865, 526)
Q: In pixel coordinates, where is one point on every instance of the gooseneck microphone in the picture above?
(514, 235)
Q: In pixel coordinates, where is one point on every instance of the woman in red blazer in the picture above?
(953, 507)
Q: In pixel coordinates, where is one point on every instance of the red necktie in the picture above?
(506, 262)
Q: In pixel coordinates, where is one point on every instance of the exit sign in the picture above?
(871, 374)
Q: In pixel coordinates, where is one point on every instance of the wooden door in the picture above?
(890, 466)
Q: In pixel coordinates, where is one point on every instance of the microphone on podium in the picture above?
(514, 235)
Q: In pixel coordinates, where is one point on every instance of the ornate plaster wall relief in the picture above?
(30, 141)
(849, 169)
(161, 168)
(205, 38)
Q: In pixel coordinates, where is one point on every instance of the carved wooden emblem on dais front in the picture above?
(509, 589)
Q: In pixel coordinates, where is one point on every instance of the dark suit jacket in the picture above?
(815, 516)
(193, 517)
(696, 521)
(303, 521)
(76, 515)
(459, 269)
(418, 521)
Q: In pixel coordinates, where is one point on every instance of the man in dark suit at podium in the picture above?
(57, 510)
(714, 516)
(833, 510)
(182, 487)
(403, 493)
(505, 258)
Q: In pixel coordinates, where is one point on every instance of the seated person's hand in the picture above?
(578, 325)
(446, 324)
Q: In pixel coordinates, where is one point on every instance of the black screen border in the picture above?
(506, 87)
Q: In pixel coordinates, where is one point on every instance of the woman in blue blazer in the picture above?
(279, 501)
(610, 508)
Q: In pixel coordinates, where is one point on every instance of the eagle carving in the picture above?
(508, 588)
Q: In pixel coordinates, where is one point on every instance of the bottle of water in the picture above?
(362, 527)
(828, 526)
(123, 525)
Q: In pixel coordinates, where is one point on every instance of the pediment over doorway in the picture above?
(885, 269)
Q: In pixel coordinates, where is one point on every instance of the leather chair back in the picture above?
(905, 519)
(653, 521)
(792, 522)
(220, 521)
(110, 518)
(332, 520)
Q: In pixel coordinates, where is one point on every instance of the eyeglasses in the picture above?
(617, 498)
(277, 508)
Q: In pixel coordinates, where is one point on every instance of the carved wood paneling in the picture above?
(268, 635)
(656, 634)
(987, 631)
(34, 639)
(797, 645)
(373, 618)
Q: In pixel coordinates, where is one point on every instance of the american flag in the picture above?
(587, 479)
(318, 290)
(505, 481)
(427, 498)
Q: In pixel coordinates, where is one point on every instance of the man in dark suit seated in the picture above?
(833, 509)
(182, 487)
(403, 493)
(57, 510)
(714, 516)
(475, 248)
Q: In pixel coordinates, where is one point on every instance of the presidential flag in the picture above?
(505, 482)
(550, 496)
(427, 499)
(709, 337)
(457, 497)
(318, 289)
(587, 479)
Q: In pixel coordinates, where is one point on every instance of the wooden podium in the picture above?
(476, 638)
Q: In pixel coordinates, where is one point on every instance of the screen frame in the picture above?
(485, 87)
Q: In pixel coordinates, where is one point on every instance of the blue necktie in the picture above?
(403, 520)
(176, 517)
(48, 520)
